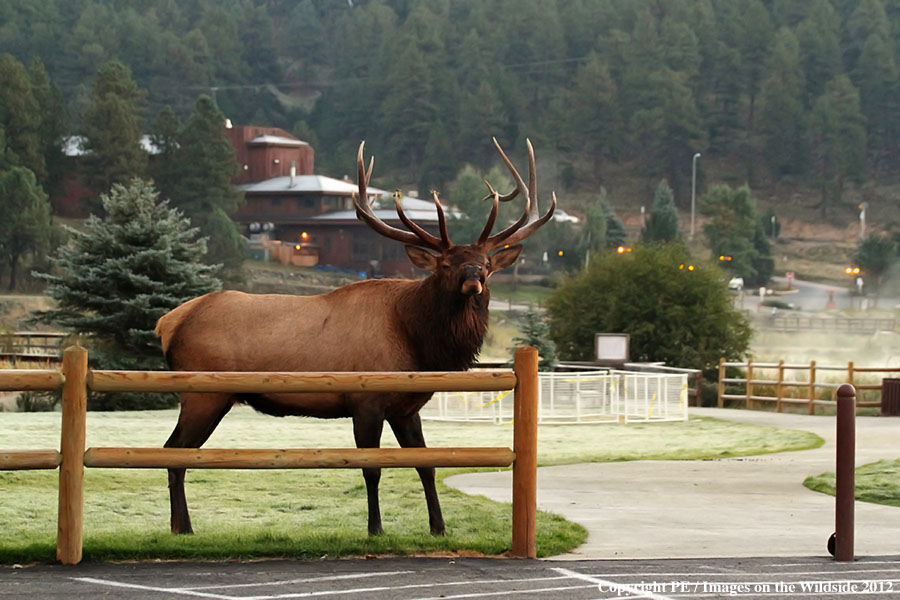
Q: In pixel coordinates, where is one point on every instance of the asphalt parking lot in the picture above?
(448, 578)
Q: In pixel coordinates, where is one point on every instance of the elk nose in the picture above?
(473, 280)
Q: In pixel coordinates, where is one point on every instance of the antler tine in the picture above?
(430, 240)
(523, 233)
(442, 220)
(529, 221)
(491, 218)
(495, 240)
(364, 210)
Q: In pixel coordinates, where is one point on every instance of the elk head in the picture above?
(461, 268)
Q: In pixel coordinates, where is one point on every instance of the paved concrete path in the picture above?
(737, 507)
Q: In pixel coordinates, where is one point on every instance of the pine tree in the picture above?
(782, 119)
(113, 125)
(196, 177)
(121, 273)
(24, 218)
(20, 119)
(535, 331)
(662, 222)
(838, 140)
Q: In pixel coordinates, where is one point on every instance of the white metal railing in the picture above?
(581, 397)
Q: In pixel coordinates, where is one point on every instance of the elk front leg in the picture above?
(408, 431)
(199, 416)
(367, 427)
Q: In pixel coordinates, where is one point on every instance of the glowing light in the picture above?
(690, 267)
(304, 236)
(297, 247)
(620, 249)
(560, 253)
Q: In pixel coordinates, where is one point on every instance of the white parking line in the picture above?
(198, 593)
(304, 580)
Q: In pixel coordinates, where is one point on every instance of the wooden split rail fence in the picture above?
(72, 457)
(809, 385)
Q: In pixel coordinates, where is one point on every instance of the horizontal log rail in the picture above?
(16, 460)
(30, 380)
(239, 381)
(318, 458)
(76, 379)
(752, 379)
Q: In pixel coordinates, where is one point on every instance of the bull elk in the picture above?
(434, 324)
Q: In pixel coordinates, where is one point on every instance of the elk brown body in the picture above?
(434, 324)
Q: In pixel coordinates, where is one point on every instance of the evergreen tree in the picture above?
(535, 331)
(197, 180)
(782, 120)
(589, 115)
(875, 255)
(819, 39)
(118, 275)
(671, 129)
(113, 125)
(838, 140)
(24, 218)
(877, 79)
(20, 119)
(662, 222)
(734, 230)
(53, 125)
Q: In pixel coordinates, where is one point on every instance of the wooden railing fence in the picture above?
(809, 385)
(72, 457)
(31, 346)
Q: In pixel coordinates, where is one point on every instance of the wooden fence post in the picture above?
(524, 486)
(845, 484)
(721, 400)
(748, 402)
(71, 446)
(812, 387)
(779, 387)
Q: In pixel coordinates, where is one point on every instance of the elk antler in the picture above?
(416, 236)
(529, 222)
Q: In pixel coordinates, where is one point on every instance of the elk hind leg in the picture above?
(199, 416)
(408, 431)
(367, 428)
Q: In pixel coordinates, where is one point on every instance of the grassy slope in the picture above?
(316, 513)
(877, 482)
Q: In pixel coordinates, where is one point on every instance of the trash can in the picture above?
(890, 397)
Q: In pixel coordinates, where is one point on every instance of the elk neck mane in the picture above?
(426, 311)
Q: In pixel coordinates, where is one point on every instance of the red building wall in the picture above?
(259, 162)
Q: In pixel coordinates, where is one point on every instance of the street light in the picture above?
(694, 194)
(862, 219)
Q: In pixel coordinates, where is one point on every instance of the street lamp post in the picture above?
(862, 220)
(694, 195)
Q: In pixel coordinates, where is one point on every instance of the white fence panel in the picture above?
(576, 397)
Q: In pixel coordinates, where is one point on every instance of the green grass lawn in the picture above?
(877, 482)
(316, 513)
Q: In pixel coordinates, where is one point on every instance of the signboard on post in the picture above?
(611, 348)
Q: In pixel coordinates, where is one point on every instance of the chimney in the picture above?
(293, 171)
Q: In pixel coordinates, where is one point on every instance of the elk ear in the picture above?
(503, 258)
(422, 258)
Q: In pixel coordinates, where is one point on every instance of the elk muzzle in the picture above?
(473, 280)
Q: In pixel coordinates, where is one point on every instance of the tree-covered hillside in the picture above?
(797, 91)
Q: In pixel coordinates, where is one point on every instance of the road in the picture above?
(470, 578)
